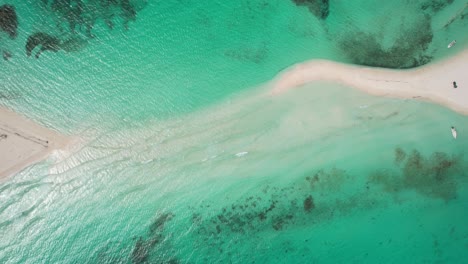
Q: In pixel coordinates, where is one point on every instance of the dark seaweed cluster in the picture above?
(83, 15)
(8, 24)
(461, 14)
(255, 213)
(432, 177)
(52, 43)
(252, 216)
(301, 204)
(8, 20)
(435, 5)
(400, 155)
(464, 14)
(276, 209)
(45, 41)
(144, 246)
(78, 16)
(408, 50)
(151, 248)
(320, 8)
(253, 54)
(272, 209)
(327, 180)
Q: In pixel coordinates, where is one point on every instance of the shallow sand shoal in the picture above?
(433, 82)
(24, 142)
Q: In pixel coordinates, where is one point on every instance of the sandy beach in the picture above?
(433, 82)
(24, 142)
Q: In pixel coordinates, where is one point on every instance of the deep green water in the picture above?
(185, 159)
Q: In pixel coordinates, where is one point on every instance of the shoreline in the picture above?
(432, 82)
(24, 142)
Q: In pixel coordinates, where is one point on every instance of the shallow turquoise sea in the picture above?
(184, 156)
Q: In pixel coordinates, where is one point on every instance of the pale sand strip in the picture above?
(24, 142)
(432, 82)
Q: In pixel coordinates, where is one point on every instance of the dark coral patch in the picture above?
(309, 204)
(8, 20)
(320, 8)
(44, 41)
(432, 177)
(83, 15)
(400, 155)
(435, 5)
(409, 50)
(143, 248)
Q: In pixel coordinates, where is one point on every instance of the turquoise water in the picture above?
(186, 159)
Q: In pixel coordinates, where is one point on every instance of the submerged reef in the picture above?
(82, 15)
(315, 198)
(319, 197)
(8, 20)
(45, 41)
(52, 43)
(304, 203)
(309, 204)
(320, 8)
(435, 5)
(152, 247)
(400, 155)
(433, 176)
(407, 51)
(154, 241)
(327, 180)
(256, 53)
(6, 55)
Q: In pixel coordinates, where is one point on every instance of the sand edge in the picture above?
(432, 82)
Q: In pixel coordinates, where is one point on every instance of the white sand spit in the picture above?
(24, 142)
(433, 82)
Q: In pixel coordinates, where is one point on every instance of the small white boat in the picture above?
(240, 154)
(451, 44)
(454, 132)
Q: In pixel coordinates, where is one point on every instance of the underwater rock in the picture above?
(6, 55)
(8, 20)
(44, 40)
(309, 204)
(320, 8)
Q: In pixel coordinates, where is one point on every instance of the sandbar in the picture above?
(432, 82)
(24, 142)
